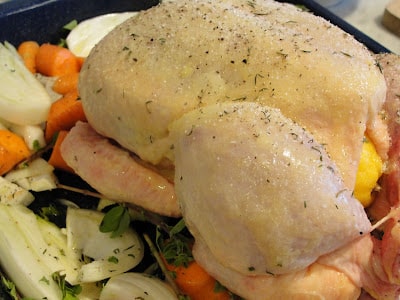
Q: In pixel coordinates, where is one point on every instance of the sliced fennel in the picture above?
(88, 33)
(33, 135)
(111, 256)
(26, 257)
(12, 194)
(136, 286)
(32, 250)
(23, 99)
(36, 176)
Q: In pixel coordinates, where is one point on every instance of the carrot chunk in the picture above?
(13, 150)
(81, 60)
(53, 60)
(56, 159)
(196, 283)
(28, 51)
(66, 83)
(63, 114)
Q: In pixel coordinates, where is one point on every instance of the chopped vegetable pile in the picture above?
(65, 241)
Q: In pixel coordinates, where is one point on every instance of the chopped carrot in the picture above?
(195, 282)
(56, 159)
(53, 60)
(13, 150)
(66, 83)
(63, 114)
(81, 60)
(28, 51)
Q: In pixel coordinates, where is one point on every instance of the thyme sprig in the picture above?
(175, 246)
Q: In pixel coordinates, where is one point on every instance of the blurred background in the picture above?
(366, 15)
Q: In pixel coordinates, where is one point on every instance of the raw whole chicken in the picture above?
(261, 108)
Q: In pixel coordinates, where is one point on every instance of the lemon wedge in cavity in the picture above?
(369, 171)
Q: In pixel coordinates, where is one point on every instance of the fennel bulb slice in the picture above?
(88, 33)
(12, 194)
(28, 255)
(111, 256)
(23, 99)
(33, 135)
(136, 286)
(36, 175)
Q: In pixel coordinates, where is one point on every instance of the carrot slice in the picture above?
(53, 60)
(13, 150)
(63, 114)
(66, 83)
(196, 283)
(28, 51)
(56, 159)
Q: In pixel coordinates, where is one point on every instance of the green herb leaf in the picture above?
(113, 259)
(71, 25)
(178, 227)
(45, 280)
(50, 211)
(8, 287)
(116, 221)
(69, 292)
(36, 145)
(176, 248)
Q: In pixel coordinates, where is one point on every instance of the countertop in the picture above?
(366, 16)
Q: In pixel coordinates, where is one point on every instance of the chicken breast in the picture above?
(259, 191)
(182, 55)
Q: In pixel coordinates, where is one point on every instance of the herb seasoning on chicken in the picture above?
(259, 110)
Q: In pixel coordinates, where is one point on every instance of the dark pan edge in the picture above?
(42, 20)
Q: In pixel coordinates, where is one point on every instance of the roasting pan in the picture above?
(42, 20)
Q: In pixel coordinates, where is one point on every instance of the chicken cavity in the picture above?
(382, 274)
(389, 197)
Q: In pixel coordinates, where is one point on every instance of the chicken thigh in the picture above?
(259, 191)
